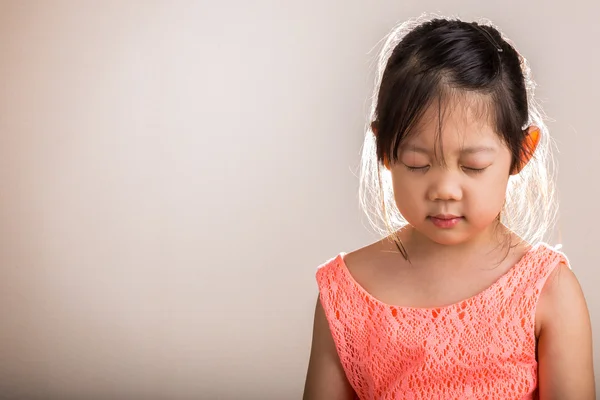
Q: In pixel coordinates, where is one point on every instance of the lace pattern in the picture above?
(479, 348)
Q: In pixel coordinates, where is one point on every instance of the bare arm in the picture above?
(565, 340)
(325, 378)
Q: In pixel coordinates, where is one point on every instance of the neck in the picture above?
(489, 243)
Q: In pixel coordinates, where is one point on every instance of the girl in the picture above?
(461, 299)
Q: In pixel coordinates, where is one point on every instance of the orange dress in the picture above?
(481, 348)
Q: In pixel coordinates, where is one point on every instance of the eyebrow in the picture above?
(464, 150)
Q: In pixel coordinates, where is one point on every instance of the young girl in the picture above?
(461, 299)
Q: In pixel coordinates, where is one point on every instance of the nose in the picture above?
(445, 187)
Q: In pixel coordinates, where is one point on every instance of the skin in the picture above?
(449, 265)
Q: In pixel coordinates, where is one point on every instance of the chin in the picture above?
(446, 237)
(452, 237)
(449, 239)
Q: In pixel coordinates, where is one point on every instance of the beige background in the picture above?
(172, 173)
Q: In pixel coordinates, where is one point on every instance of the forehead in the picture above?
(460, 120)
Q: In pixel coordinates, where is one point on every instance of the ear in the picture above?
(375, 127)
(530, 143)
(386, 163)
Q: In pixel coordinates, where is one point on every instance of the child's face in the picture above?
(430, 197)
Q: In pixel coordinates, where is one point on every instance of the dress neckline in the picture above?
(461, 303)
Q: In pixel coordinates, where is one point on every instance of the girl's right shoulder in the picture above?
(349, 269)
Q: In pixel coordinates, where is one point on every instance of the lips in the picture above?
(445, 221)
(445, 216)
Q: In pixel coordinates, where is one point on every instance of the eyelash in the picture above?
(474, 170)
(417, 169)
(466, 169)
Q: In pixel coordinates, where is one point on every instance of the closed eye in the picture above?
(474, 170)
(414, 168)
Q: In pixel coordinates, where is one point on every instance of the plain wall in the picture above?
(172, 173)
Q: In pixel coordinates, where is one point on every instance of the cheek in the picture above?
(490, 195)
(408, 191)
(491, 191)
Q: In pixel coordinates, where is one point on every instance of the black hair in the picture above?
(429, 61)
(441, 58)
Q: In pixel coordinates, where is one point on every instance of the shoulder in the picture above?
(544, 263)
(561, 292)
(561, 297)
(353, 267)
(363, 263)
(359, 260)
(565, 370)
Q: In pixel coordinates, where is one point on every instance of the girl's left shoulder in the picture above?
(561, 288)
(553, 256)
(541, 263)
(562, 320)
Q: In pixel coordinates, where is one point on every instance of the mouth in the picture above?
(445, 216)
(445, 221)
